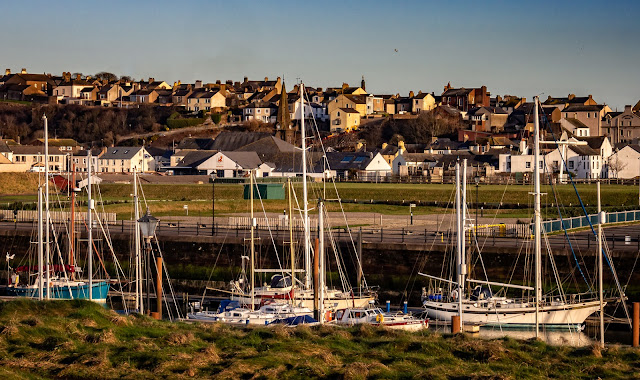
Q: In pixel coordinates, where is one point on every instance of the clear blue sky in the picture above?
(512, 47)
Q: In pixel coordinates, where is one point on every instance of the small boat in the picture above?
(274, 312)
(376, 317)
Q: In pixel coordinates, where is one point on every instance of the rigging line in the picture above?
(166, 273)
(420, 257)
(273, 242)
(317, 132)
(564, 163)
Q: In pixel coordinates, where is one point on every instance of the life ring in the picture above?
(454, 294)
(379, 318)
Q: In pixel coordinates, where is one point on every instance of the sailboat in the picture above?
(284, 284)
(297, 297)
(482, 307)
(56, 281)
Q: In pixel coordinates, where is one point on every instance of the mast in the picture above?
(600, 291)
(253, 248)
(90, 225)
(137, 248)
(460, 241)
(307, 248)
(537, 217)
(72, 228)
(46, 203)
(291, 249)
(40, 245)
(463, 230)
(321, 267)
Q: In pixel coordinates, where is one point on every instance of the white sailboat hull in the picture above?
(515, 315)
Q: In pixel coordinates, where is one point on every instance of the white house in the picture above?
(362, 165)
(262, 111)
(234, 164)
(126, 159)
(413, 163)
(624, 163)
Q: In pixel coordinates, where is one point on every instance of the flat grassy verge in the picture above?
(75, 339)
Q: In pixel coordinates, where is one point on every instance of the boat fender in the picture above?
(380, 318)
(454, 294)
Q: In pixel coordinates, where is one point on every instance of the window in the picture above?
(588, 115)
(570, 164)
(359, 159)
(346, 159)
(541, 165)
(527, 165)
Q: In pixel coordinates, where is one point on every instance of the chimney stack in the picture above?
(266, 79)
(23, 71)
(245, 80)
(198, 84)
(7, 72)
(78, 76)
(152, 80)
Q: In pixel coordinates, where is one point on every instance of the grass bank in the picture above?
(82, 340)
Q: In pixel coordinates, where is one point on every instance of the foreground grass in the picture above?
(81, 340)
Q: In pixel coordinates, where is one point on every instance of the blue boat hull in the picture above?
(99, 291)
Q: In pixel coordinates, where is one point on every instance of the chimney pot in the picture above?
(23, 71)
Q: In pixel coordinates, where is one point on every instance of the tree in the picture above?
(616, 165)
(104, 75)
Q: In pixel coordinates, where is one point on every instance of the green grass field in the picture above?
(82, 340)
(169, 199)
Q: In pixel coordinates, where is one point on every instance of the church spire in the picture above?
(284, 119)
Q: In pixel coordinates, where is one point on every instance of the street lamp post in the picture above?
(411, 206)
(148, 225)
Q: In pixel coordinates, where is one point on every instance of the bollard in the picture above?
(404, 307)
(455, 324)
(636, 327)
(388, 306)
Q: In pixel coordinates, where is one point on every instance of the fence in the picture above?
(282, 222)
(583, 221)
(56, 216)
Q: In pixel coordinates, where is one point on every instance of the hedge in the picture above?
(181, 123)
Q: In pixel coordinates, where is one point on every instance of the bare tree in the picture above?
(616, 165)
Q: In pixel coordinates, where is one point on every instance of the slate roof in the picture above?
(247, 160)
(230, 141)
(583, 108)
(583, 150)
(195, 158)
(195, 143)
(4, 148)
(120, 153)
(348, 110)
(457, 91)
(576, 123)
(421, 157)
(58, 142)
(28, 149)
(594, 142)
(346, 161)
